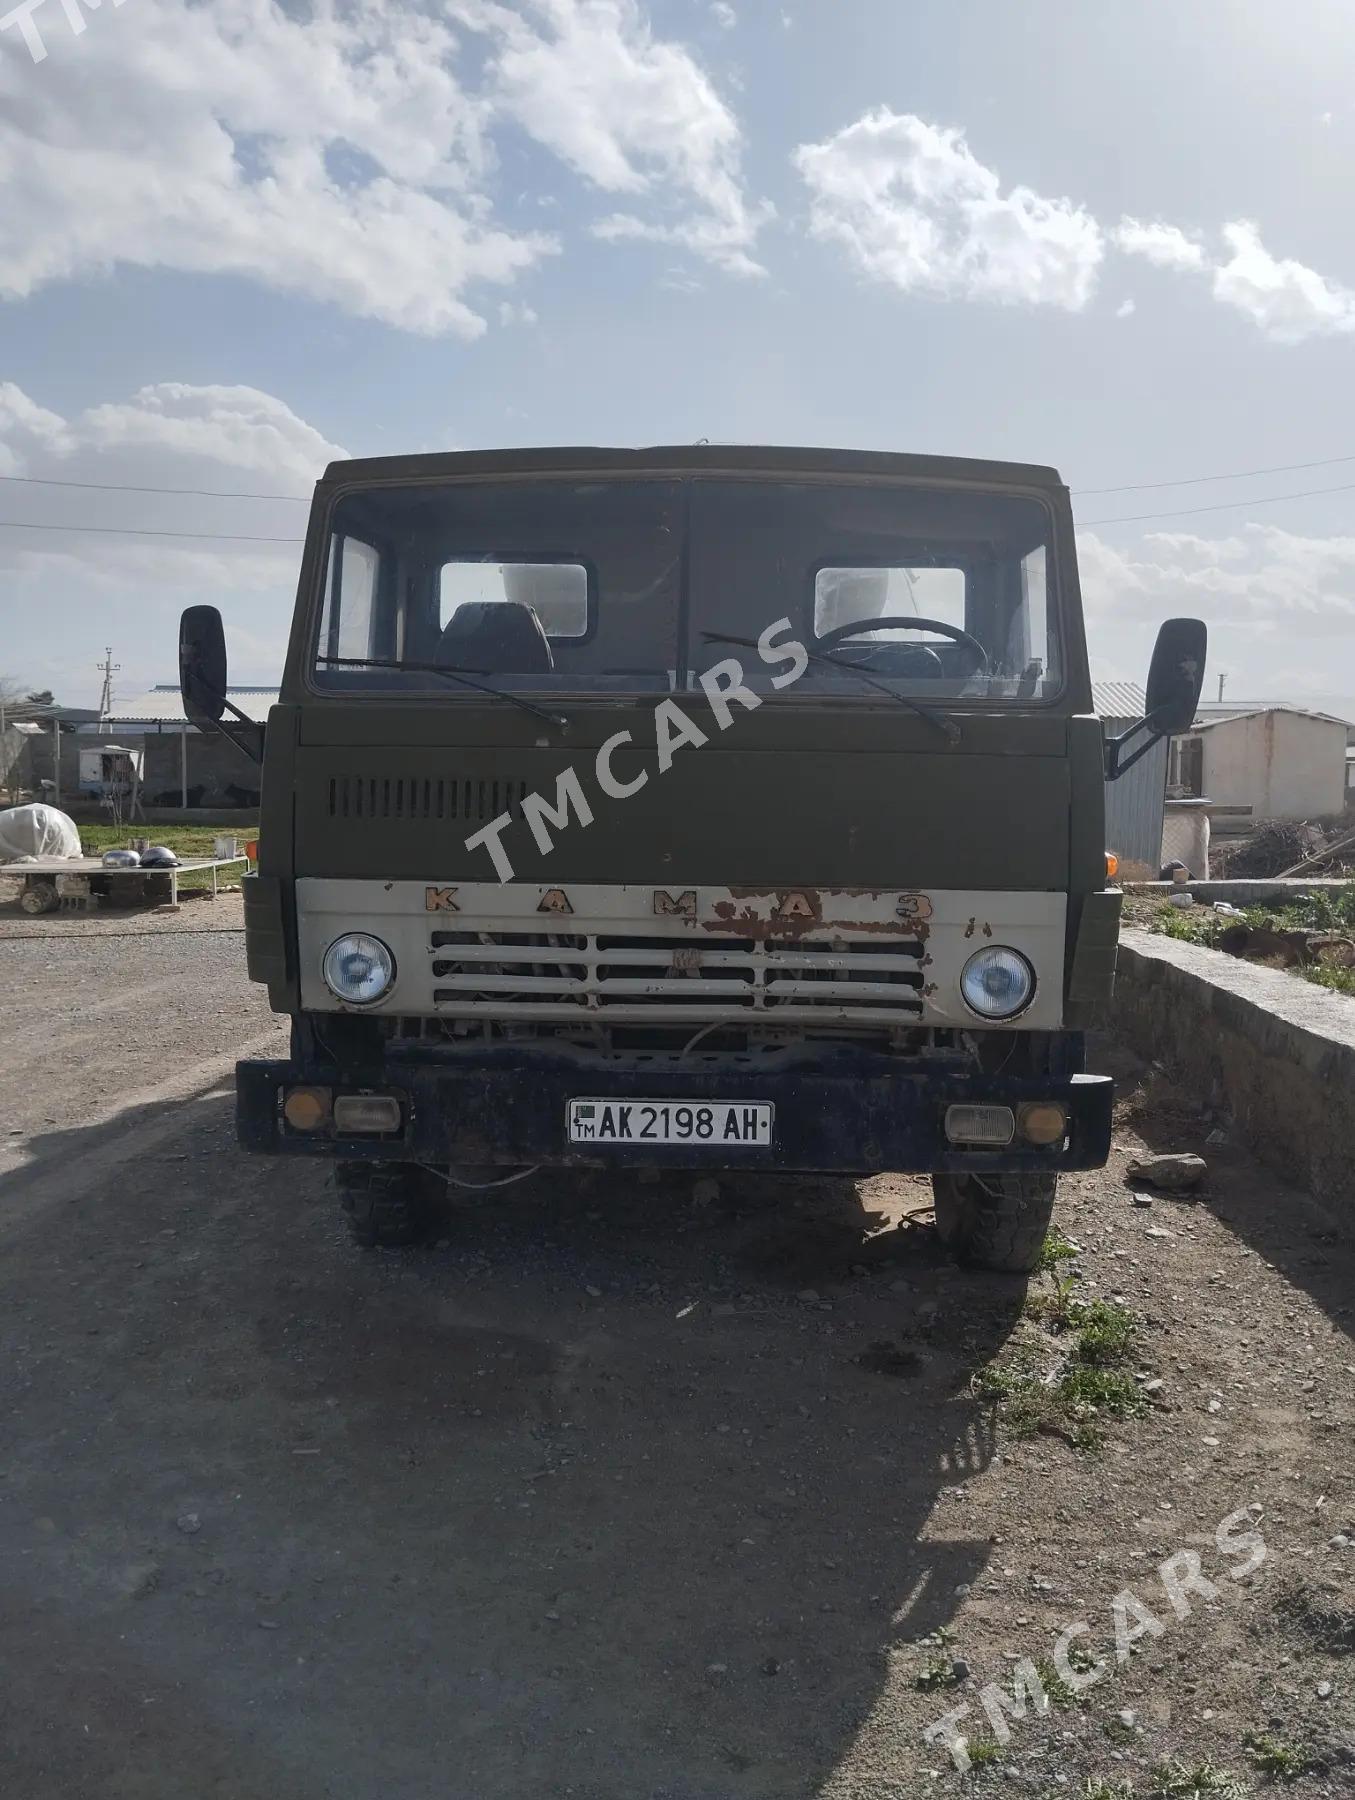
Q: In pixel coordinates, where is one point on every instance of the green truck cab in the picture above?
(708, 808)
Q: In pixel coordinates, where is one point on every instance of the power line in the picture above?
(117, 487)
(235, 537)
(1130, 487)
(1139, 487)
(232, 537)
(1219, 506)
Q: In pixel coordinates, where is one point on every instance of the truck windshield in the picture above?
(610, 587)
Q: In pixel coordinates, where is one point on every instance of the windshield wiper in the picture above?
(938, 721)
(452, 673)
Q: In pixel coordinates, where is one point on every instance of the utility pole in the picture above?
(109, 669)
(1222, 678)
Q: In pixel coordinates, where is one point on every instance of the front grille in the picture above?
(633, 978)
(424, 797)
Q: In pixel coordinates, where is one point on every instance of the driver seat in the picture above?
(496, 637)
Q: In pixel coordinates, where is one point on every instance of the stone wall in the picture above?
(1273, 1051)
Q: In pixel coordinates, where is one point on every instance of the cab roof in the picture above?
(686, 459)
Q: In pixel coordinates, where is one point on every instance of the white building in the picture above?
(1279, 761)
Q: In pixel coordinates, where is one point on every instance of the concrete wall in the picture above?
(1274, 1052)
(214, 765)
(34, 762)
(1283, 765)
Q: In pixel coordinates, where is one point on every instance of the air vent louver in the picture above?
(424, 797)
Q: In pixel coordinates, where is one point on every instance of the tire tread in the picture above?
(998, 1222)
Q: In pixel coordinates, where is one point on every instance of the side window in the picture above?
(844, 596)
(347, 621)
(556, 592)
(1033, 616)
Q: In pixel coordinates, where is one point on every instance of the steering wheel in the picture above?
(905, 622)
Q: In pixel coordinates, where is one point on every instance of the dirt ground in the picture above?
(618, 1490)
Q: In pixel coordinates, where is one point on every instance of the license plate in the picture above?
(671, 1122)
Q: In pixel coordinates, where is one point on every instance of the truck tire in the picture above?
(385, 1203)
(995, 1221)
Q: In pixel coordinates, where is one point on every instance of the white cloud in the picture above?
(1280, 607)
(913, 206)
(1125, 309)
(349, 154)
(629, 113)
(1286, 299)
(1264, 593)
(335, 156)
(127, 590)
(1166, 246)
(723, 14)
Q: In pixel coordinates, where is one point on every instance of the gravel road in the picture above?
(620, 1490)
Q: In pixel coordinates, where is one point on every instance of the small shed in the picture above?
(107, 769)
(1134, 802)
(188, 768)
(1277, 762)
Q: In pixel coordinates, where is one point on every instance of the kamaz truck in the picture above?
(704, 808)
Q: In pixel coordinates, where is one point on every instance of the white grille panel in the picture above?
(644, 978)
(680, 954)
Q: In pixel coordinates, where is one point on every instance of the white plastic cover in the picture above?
(37, 831)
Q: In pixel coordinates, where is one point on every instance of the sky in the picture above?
(239, 240)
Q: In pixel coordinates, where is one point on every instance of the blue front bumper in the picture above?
(847, 1112)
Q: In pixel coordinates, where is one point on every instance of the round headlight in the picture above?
(997, 983)
(358, 968)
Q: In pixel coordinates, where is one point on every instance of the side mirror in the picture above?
(1176, 675)
(202, 665)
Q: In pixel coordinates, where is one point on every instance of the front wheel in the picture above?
(386, 1203)
(995, 1221)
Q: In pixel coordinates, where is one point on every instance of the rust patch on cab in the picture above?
(759, 914)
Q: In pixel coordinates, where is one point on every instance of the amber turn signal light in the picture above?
(1042, 1122)
(1112, 865)
(306, 1108)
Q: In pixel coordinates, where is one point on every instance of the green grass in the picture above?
(1278, 1760)
(1058, 1690)
(1053, 1251)
(184, 840)
(1071, 1406)
(1169, 1781)
(1321, 911)
(984, 1752)
(1095, 1336)
(1106, 1332)
(936, 1672)
(1338, 981)
(1194, 1781)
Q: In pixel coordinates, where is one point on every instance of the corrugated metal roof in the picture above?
(1321, 707)
(163, 706)
(1209, 716)
(1117, 699)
